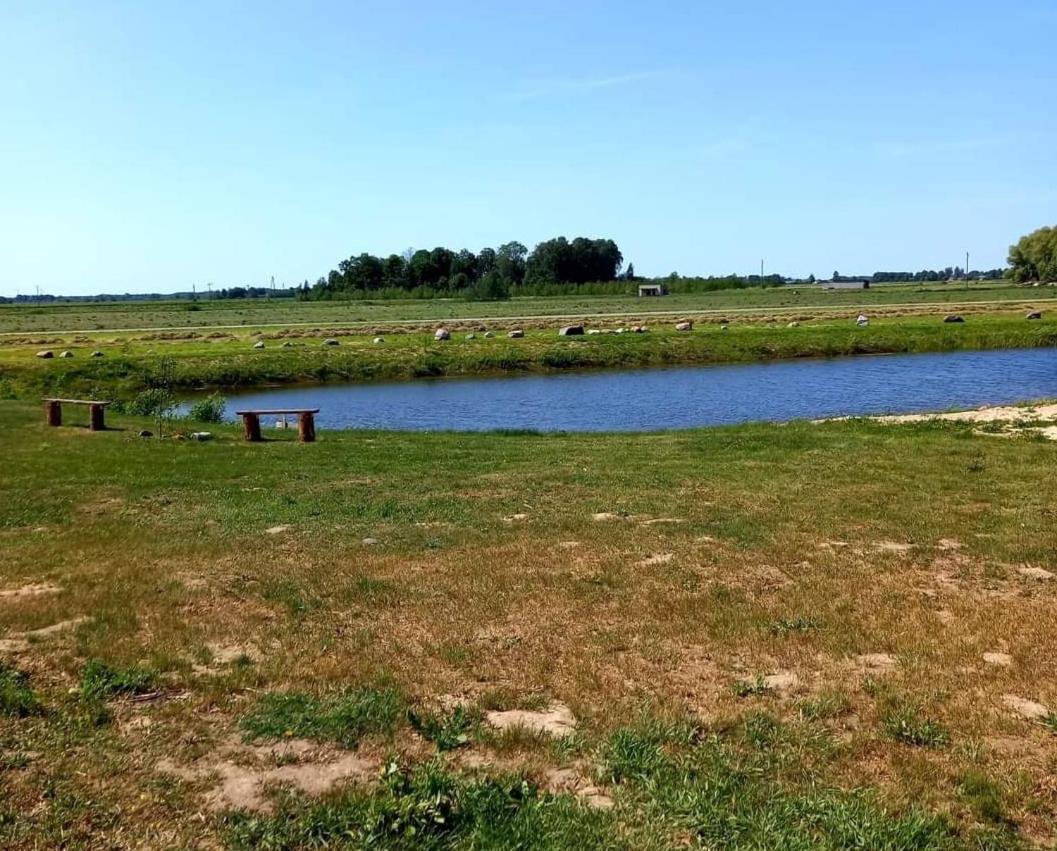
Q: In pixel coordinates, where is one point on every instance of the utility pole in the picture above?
(967, 270)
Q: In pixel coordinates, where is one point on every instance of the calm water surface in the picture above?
(681, 397)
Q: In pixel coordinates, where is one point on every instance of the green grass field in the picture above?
(227, 359)
(35, 319)
(768, 636)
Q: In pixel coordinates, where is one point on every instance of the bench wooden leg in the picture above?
(95, 421)
(306, 427)
(53, 413)
(251, 427)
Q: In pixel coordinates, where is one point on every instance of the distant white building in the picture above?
(860, 284)
(652, 290)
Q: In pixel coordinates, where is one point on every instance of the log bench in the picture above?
(53, 411)
(306, 423)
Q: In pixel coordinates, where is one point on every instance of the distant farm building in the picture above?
(652, 289)
(861, 284)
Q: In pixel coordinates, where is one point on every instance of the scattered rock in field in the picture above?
(66, 354)
(594, 331)
(557, 720)
(515, 518)
(276, 530)
(286, 344)
(96, 354)
(571, 331)
(245, 772)
(1035, 573)
(781, 682)
(146, 433)
(1030, 709)
(656, 559)
(259, 344)
(330, 341)
(370, 542)
(876, 662)
(442, 334)
(37, 589)
(603, 516)
(201, 435)
(378, 340)
(862, 320)
(684, 326)
(1003, 660)
(569, 545)
(793, 324)
(489, 334)
(832, 545)
(471, 336)
(46, 354)
(660, 521)
(1035, 314)
(952, 318)
(948, 544)
(516, 334)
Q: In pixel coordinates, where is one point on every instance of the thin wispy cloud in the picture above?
(585, 85)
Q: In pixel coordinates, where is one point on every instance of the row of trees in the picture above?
(491, 273)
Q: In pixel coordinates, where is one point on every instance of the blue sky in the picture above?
(152, 146)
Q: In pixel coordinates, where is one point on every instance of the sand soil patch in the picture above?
(556, 720)
(243, 773)
(38, 589)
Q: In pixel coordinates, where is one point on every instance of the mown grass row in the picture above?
(129, 368)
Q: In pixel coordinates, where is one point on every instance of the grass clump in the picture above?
(16, 696)
(449, 729)
(983, 795)
(345, 717)
(830, 704)
(750, 688)
(100, 681)
(208, 410)
(906, 724)
(786, 626)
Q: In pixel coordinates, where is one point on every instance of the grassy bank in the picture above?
(296, 355)
(755, 637)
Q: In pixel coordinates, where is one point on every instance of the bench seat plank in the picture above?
(79, 402)
(274, 411)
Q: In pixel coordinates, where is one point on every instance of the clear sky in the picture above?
(149, 146)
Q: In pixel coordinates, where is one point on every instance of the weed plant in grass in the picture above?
(344, 718)
(448, 729)
(100, 681)
(16, 695)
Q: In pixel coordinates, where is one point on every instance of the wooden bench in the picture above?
(306, 423)
(53, 411)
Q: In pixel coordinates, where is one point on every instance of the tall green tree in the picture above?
(1034, 257)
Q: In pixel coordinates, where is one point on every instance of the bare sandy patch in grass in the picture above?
(782, 682)
(1025, 708)
(38, 589)
(1002, 660)
(556, 720)
(997, 414)
(656, 559)
(1039, 573)
(245, 772)
(574, 781)
(20, 642)
(277, 530)
(876, 663)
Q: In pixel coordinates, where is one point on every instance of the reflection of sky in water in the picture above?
(680, 397)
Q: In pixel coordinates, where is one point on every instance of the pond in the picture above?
(682, 397)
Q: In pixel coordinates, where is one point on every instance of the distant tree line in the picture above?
(491, 273)
(950, 273)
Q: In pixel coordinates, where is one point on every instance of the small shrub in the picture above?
(153, 402)
(100, 681)
(749, 688)
(16, 696)
(208, 410)
(345, 717)
(905, 724)
(448, 730)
